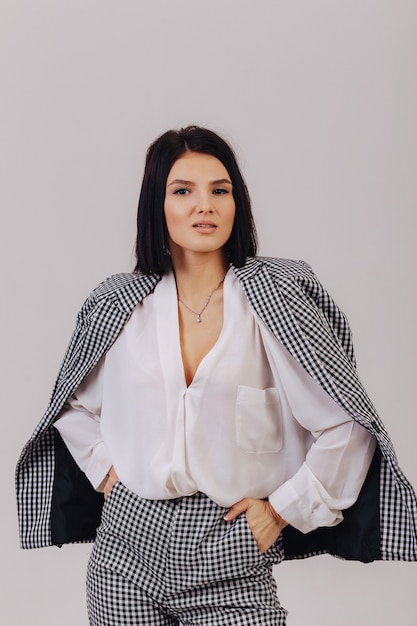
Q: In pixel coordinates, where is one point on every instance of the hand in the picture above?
(111, 480)
(265, 523)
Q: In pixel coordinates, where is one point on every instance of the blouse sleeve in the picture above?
(79, 426)
(337, 462)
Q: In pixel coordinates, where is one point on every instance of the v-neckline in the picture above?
(208, 355)
(205, 357)
(169, 336)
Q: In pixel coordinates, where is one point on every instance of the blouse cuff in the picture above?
(301, 501)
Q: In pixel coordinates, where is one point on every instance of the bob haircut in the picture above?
(152, 242)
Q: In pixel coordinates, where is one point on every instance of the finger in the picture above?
(236, 509)
(111, 481)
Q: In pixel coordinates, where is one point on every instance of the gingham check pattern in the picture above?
(178, 561)
(287, 296)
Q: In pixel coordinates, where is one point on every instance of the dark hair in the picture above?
(152, 235)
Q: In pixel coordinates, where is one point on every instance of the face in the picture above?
(199, 205)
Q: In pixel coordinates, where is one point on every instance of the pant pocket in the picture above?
(274, 554)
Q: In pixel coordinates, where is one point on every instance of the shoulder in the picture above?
(287, 267)
(295, 278)
(304, 293)
(298, 275)
(123, 282)
(277, 268)
(125, 290)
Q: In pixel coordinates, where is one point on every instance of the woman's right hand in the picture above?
(112, 479)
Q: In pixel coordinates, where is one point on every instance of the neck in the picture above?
(195, 280)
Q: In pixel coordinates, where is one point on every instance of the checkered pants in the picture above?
(171, 562)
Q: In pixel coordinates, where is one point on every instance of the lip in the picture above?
(205, 224)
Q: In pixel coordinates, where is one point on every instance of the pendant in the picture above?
(198, 320)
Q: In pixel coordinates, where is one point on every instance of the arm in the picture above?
(79, 426)
(337, 462)
(335, 466)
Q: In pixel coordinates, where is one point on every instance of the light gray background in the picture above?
(319, 99)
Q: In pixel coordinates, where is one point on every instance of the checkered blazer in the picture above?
(56, 504)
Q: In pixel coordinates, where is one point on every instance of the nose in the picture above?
(204, 204)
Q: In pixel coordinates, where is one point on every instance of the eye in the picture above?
(181, 192)
(220, 191)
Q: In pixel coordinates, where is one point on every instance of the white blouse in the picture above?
(252, 423)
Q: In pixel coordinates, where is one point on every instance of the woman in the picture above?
(212, 397)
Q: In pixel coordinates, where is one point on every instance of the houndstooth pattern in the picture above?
(178, 561)
(99, 321)
(289, 299)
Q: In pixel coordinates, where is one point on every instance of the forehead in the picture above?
(195, 166)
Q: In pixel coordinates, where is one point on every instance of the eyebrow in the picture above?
(180, 181)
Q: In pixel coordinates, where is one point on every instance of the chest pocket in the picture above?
(258, 420)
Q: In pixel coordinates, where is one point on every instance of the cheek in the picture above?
(170, 215)
(232, 216)
(174, 222)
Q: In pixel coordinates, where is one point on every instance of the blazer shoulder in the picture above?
(125, 289)
(115, 283)
(280, 267)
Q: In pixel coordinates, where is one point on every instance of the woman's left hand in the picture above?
(265, 523)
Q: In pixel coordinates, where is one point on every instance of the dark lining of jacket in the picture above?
(76, 505)
(356, 538)
(76, 512)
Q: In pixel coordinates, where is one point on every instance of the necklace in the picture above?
(207, 302)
